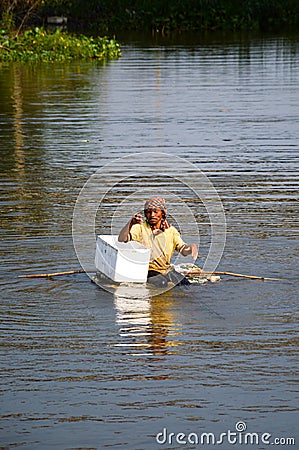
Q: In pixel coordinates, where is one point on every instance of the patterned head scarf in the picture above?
(158, 202)
(155, 202)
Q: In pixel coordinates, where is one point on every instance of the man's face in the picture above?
(154, 216)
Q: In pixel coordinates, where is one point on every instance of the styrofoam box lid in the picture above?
(112, 240)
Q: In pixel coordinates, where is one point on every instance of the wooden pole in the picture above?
(232, 274)
(49, 275)
(190, 272)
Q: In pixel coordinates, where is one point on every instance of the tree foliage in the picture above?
(15, 13)
(163, 15)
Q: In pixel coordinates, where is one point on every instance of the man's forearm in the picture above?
(190, 250)
(124, 235)
(125, 232)
(186, 250)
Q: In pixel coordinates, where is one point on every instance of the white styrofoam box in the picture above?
(122, 261)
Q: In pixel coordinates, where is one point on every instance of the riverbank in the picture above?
(156, 16)
(176, 15)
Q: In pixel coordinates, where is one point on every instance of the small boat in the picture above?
(126, 264)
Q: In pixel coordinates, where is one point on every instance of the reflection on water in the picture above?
(18, 105)
(145, 323)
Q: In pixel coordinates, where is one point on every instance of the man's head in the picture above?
(155, 202)
(155, 210)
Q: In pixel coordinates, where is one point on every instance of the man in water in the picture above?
(162, 238)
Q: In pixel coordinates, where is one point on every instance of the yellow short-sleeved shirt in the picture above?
(162, 245)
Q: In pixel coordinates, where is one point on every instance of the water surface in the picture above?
(82, 368)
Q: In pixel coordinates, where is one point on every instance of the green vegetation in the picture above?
(41, 45)
(112, 16)
(109, 17)
(177, 15)
(189, 15)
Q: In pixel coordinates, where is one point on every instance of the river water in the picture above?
(83, 368)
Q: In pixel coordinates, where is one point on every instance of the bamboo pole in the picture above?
(190, 272)
(49, 275)
(232, 274)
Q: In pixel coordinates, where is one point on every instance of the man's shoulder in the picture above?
(172, 232)
(172, 229)
(175, 236)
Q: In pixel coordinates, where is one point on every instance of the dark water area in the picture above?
(84, 368)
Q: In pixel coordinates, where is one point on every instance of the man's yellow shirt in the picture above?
(162, 245)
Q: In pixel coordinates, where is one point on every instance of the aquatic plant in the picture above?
(41, 45)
